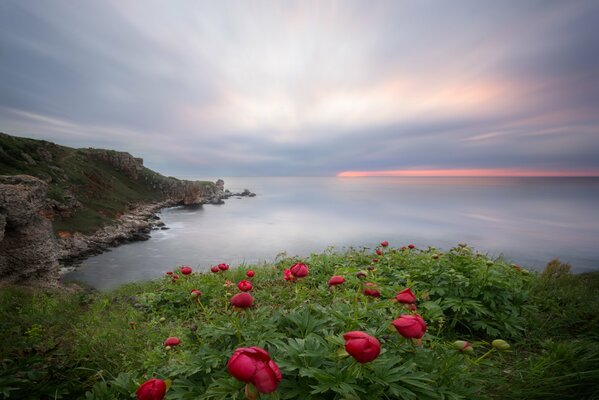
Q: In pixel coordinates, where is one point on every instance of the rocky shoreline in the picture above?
(134, 225)
(31, 254)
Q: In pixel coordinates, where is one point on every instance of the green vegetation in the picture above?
(102, 189)
(104, 345)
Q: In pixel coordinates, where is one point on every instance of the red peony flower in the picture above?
(223, 266)
(411, 246)
(215, 269)
(375, 260)
(361, 346)
(186, 270)
(172, 341)
(299, 270)
(242, 300)
(195, 293)
(169, 273)
(250, 274)
(254, 365)
(404, 248)
(372, 292)
(336, 280)
(379, 252)
(153, 389)
(361, 274)
(287, 275)
(244, 286)
(410, 326)
(384, 243)
(406, 296)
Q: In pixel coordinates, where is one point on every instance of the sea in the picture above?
(527, 221)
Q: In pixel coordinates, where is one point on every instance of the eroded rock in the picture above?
(28, 251)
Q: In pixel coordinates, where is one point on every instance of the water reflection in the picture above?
(529, 220)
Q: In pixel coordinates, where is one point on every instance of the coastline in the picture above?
(132, 226)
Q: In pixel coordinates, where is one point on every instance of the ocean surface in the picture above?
(528, 221)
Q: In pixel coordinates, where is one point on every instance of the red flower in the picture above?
(172, 341)
(411, 246)
(169, 273)
(242, 300)
(299, 270)
(287, 275)
(215, 269)
(404, 248)
(336, 280)
(175, 277)
(361, 274)
(384, 243)
(244, 286)
(361, 346)
(186, 270)
(406, 296)
(410, 326)
(195, 293)
(153, 389)
(253, 364)
(223, 266)
(250, 274)
(375, 260)
(379, 252)
(372, 293)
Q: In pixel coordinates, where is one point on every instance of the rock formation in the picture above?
(28, 251)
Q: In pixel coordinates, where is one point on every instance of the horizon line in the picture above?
(491, 172)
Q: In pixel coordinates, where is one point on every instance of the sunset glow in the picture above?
(469, 173)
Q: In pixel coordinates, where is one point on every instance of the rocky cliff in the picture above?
(28, 250)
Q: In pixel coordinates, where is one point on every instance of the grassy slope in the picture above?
(66, 344)
(103, 190)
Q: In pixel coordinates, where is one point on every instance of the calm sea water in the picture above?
(527, 220)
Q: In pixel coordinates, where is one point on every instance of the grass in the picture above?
(103, 190)
(103, 345)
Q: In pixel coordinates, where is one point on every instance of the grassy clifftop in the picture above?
(87, 187)
(104, 345)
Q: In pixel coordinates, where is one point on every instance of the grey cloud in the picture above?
(172, 83)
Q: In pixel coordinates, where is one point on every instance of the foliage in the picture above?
(103, 190)
(103, 345)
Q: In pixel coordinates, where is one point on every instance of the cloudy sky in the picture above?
(229, 88)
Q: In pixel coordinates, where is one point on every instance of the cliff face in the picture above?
(28, 250)
(91, 199)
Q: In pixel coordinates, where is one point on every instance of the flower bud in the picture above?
(463, 346)
(500, 344)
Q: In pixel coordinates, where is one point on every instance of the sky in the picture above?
(309, 88)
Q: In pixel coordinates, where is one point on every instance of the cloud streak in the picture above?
(308, 88)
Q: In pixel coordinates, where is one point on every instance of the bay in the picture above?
(528, 221)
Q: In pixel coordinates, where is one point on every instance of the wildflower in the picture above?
(336, 280)
(242, 300)
(254, 365)
(153, 389)
(410, 326)
(172, 341)
(186, 270)
(361, 346)
(244, 286)
(406, 296)
(299, 270)
(223, 266)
